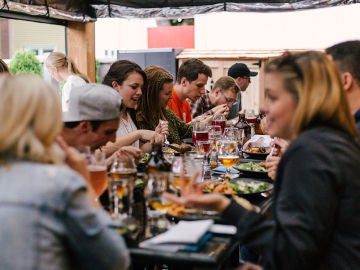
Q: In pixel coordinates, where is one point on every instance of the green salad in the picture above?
(251, 166)
(245, 187)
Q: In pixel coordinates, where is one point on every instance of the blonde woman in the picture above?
(315, 220)
(47, 218)
(62, 69)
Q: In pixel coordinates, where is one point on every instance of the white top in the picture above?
(71, 82)
(125, 127)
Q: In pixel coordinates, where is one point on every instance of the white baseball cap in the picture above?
(93, 102)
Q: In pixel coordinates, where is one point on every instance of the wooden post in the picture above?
(81, 47)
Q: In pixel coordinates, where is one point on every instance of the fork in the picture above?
(166, 142)
(273, 147)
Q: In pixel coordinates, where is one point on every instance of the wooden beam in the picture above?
(81, 47)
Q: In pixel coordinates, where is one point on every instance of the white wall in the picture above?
(307, 29)
(124, 34)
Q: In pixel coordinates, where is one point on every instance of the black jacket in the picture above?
(315, 222)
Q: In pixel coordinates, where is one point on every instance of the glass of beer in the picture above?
(228, 154)
(122, 178)
(98, 173)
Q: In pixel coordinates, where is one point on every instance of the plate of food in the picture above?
(257, 152)
(177, 212)
(252, 169)
(244, 187)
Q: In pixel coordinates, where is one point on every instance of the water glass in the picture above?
(122, 177)
(193, 162)
(156, 186)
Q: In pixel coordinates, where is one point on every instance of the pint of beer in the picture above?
(98, 172)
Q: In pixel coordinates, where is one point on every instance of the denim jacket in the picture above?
(47, 221)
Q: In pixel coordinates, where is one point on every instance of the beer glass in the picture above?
(98, 173)
(228, 154)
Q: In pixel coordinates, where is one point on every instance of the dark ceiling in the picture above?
(62, 11)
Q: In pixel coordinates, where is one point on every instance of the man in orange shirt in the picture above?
(190, 84)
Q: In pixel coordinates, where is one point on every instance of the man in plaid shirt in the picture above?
(222, 96)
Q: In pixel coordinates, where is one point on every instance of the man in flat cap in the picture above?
(242, 76)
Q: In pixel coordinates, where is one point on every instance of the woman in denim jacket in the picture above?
(49, 218)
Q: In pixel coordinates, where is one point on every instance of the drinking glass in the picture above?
(122, 177)
(231, 133)
(193, 162)
(214, 134)
(228, 154)
(177, 168)
(203, 146)
(98, 172)
(200, 132)
(220, 120)
(155, 187)
(250, 116)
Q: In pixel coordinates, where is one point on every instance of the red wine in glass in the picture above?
(199, 135)
(203, 146)
(221, 123)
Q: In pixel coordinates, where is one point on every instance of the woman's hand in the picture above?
(272, 161)
(193, 196)
(146, 134)
(161, 131)
(130, 151)
(271, 165)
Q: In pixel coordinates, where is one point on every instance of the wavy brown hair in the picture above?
(148, 109)
(315, 83)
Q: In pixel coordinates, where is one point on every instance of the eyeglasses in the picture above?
(229, 100)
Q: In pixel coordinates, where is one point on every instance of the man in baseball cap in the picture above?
(241, 74)
(92, 117)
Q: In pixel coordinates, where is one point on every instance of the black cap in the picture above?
(240, 70)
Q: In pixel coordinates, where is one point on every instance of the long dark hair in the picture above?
(148, 109)
(120, 70)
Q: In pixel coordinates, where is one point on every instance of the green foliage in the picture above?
(97, 67)
(25, 62)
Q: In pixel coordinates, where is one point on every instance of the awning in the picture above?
(87, 11)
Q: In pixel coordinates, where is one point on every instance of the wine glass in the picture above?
(122, 177)
(228, 154)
